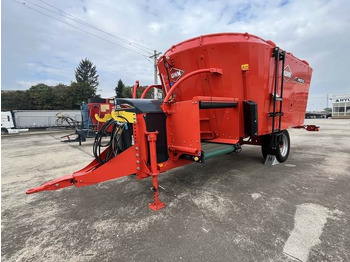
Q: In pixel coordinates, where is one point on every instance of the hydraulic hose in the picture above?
(119, 140)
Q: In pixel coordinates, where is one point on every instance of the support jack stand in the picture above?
(157, 204)
(152, 138)
(156, 207)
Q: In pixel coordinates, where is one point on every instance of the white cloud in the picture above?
(36, 47)
(25, 84)
(155, 27)
(49, 69)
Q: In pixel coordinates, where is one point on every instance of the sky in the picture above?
(36, 48)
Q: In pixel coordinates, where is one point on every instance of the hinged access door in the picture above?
(183, 129)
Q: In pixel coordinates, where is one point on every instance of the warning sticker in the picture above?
(287, 74)
(175, 74)
(245, 67)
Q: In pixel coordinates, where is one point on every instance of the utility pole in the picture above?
(155, 56)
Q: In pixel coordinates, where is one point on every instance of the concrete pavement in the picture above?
(232, 208)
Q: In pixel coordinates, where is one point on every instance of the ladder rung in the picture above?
(272, 114)
(278, 98)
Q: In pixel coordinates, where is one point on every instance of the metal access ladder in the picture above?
(277, 113)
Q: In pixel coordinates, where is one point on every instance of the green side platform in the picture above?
(214, 149)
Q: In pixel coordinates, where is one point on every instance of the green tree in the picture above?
(119, 89)
(81, 92)
(14, 100)
(127, 92)
(63, 97)
(86, 73)
(40, 96)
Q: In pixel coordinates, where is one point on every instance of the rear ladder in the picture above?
(277, 114)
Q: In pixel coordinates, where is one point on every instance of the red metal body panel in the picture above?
(221, 120)
(183, 134)
(229, 52)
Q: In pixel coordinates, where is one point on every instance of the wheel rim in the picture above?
(284, 146)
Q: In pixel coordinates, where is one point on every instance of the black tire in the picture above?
(4, 131)
(281, 152)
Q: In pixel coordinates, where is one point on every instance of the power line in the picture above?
(83, 30)
(86, 23)
(80, 21)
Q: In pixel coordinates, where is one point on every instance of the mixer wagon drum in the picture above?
(221, 91)
(250, 91)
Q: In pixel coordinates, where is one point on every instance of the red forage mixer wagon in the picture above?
(220, 91)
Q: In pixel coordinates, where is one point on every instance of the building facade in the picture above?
(341, 106)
